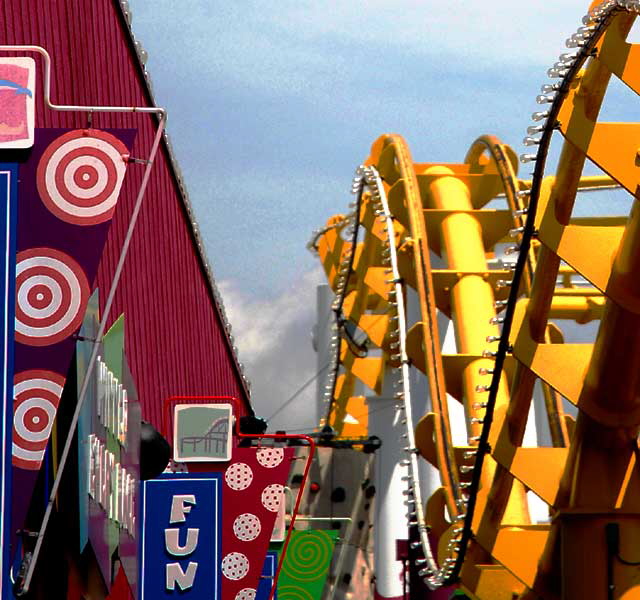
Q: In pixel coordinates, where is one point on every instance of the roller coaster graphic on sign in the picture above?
(202, 433)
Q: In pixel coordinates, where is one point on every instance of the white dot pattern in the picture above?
(247, 527)
(246, 594)
(239, 476)
(271, 497)
(270, 457)
(235, 565)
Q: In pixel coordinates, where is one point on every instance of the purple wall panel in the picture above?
(175, 341)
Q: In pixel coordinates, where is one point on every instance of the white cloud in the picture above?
(274, 342)
(260, 326)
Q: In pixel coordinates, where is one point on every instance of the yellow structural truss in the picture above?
(544, 305)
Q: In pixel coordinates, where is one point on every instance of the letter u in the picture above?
(172, 541)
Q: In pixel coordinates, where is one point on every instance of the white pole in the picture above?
(390, 519)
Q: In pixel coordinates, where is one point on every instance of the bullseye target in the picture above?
(80, 175)
(36, 395)
(52, 292)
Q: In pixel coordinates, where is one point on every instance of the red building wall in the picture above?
(176, 341)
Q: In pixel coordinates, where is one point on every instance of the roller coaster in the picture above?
(514, 268)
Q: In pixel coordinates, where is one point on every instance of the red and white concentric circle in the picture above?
(36, 395)
(80, 175)
(52, 292)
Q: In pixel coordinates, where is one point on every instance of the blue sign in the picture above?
(268, 577)
(8, 199)
(180, 541)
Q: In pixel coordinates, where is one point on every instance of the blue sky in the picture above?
(273, 105)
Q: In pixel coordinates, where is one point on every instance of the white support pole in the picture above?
(390, 518)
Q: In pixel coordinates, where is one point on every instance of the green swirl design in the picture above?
(308, 555)
(289, 592)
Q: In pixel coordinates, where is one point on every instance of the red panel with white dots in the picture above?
(252, 492)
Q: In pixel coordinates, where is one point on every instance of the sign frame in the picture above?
(267, 578)
(207, 436)
(29, 92)
(174, 484)
(8, 172)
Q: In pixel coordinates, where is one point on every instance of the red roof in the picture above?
(177, 339)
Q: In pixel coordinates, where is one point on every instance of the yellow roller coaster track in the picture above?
(409, 215)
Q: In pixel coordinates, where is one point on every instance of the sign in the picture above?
(268, 576)
(306, 564)
(180, 541)
(111, 485)
(252, 485)
(202, 432)
(17, 102)
(69, 183)
(108, 451)
(8, 194)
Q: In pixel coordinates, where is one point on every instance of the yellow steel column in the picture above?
(472, 298)
(472, 307)
(601, 483)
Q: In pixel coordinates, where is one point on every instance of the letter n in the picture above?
(175, 574)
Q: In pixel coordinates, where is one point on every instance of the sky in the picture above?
(272, 106)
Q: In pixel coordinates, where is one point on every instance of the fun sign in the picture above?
(180, 545)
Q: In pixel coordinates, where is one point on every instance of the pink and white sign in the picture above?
(17, 102)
